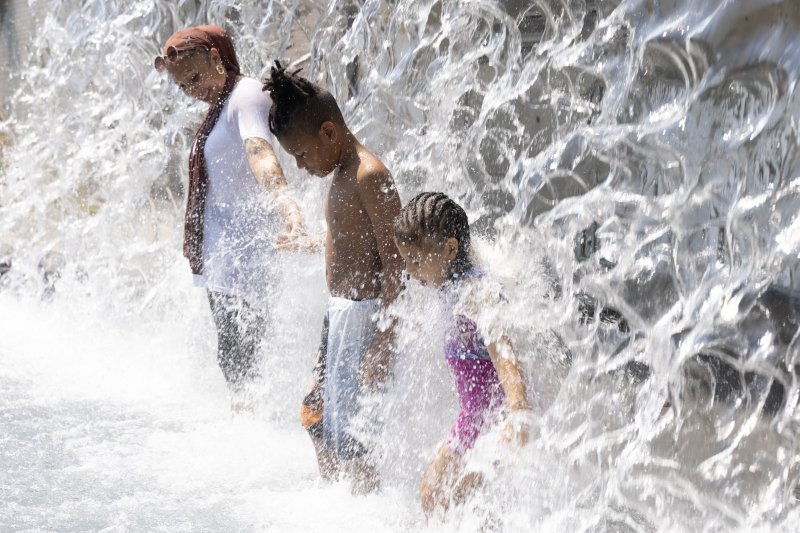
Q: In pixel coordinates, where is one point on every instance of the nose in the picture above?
(190, 90)
(300, 164)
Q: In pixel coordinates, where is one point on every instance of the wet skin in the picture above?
(196, 74)
(360, 207)
(429, 260)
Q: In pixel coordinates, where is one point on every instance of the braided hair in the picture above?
(298, 104)
(436, 216)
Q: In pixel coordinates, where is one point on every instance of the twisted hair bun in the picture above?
(287, 87)
(295, 100)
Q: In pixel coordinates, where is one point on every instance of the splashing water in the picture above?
(631, 165)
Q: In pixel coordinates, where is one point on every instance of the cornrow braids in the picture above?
(297, 102)
(436, 216)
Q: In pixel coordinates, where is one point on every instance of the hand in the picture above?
(517, 428)
(295, 238)
(373, 370)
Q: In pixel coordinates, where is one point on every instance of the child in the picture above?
(432, 235)
(362, 262)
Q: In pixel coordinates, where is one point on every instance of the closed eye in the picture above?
(192, 81)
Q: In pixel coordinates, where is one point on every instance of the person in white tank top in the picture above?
(238, 198)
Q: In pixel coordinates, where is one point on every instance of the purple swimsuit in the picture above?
(479, 392)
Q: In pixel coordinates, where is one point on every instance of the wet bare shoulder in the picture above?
(371, 169)
(376, 186)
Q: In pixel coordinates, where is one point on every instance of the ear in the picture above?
(451, 248)
(213, 54)
(329, 130)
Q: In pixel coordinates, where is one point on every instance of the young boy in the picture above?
(362, 262)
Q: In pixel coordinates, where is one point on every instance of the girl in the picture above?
(229, 228)
(432, 235)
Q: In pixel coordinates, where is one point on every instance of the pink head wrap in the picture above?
(207, 37)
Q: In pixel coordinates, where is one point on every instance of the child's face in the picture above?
(429, 261)
(317, 153)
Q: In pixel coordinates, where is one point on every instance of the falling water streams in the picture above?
(630, 166)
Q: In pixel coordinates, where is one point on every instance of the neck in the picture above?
(348, 151)
(216, 97)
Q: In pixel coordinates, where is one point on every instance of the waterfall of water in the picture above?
(632, 169)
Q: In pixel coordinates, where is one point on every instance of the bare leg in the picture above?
(437, 485)
(365, 477)
(444, 485)
(326, 460)
(466, 486)
(312, 410)
(311, 416)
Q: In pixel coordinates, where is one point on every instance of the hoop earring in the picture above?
(220, 68)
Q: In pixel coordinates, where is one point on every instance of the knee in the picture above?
(428, 495)
(311, 414)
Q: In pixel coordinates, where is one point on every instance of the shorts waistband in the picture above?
(337, 302)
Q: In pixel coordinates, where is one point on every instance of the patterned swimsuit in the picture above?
(479, 392)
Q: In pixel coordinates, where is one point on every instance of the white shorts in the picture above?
(351, 328)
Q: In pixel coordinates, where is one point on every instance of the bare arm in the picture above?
(512, 378)
(382, 204)
(267, 171)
